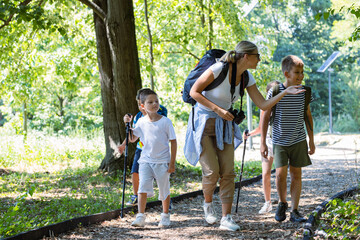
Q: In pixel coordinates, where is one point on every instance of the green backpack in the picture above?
(276, 90)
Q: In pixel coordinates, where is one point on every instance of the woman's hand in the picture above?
(294, 90)
(224, 114)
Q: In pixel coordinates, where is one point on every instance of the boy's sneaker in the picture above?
(227, 223)
(281, 212)
(266, 208)
(133, 200)
(165, 220)
(139, 221)
(210, 216)
(295, 216)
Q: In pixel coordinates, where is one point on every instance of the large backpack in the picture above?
(212, 56)
(276, 90)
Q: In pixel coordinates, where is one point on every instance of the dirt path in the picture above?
(334, 169)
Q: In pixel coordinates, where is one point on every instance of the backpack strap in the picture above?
(233, 81)
(275, 91)
(217, 81)
(307, 102)
(244, 82)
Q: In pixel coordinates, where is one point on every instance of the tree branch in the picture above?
(97, 10)
(6, 22)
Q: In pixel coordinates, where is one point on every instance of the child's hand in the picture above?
(294, 89)
(312, 147)
(171, 168)
(264, 150)
(127, 118)
(246, 135)
(121, 148)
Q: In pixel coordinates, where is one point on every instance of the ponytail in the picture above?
(241, 49)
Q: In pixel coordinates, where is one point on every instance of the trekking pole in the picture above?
(125, 160)
(241, 172)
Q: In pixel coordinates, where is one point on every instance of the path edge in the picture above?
(312, 223)
(67, 225)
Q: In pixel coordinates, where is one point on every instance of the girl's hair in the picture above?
(271, 84)
(289, 61)
(143, 93)
(241, 49)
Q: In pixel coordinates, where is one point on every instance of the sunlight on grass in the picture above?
(50, 179)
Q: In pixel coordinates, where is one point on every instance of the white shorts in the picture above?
(150, 171)
(269, 144)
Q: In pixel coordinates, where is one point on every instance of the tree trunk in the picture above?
(119, 74)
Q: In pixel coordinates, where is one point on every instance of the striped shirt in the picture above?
(288, 127)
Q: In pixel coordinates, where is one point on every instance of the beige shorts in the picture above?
(150, 171)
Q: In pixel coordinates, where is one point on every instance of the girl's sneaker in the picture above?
(266, 208)
(227, 223)
(165, 220)
(139, 221)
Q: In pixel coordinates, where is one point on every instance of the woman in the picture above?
(212, 141)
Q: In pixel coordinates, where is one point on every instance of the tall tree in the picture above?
(119, 70)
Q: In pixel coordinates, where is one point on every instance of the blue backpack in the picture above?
(210, 58)
(205, 62)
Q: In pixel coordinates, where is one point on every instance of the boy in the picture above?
(135, 166)
(289, 138)
(156, 161)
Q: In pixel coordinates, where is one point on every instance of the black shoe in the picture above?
(281, 212)
(295, 216)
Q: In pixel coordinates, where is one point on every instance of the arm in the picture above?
(309, 129)
(121, 147)
(257, 130)
(264, 128)
(173, 148)
(196, 93)
(132, 137)
(263, 104)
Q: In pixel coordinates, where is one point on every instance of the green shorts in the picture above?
(296, 155)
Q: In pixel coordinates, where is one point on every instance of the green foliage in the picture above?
(51, 62)
(350, 10)
(342, 219)
(56, 76)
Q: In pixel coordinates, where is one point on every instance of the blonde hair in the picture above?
(290, 61)
(241, 49)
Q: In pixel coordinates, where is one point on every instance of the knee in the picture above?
(211, 177)
(295, 177)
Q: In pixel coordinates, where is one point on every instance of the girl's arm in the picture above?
(196, 93)
(173, 149)
(263, 104)
(257, 130)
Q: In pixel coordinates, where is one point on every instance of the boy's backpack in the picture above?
(205, 62)
(276, 90)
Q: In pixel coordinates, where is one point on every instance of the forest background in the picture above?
(51, 87)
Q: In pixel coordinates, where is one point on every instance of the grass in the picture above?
(50, 179)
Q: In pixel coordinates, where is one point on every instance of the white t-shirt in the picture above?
(155, 136)
(221, 95)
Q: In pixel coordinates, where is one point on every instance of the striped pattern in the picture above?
(288, 127)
